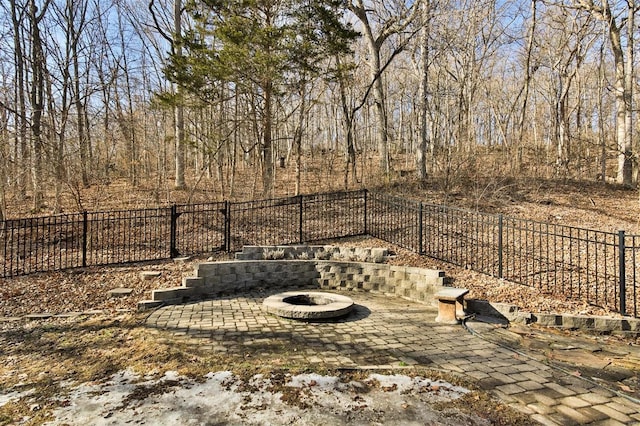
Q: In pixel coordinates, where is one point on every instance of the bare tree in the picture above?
(528, 71)
(37, 93)
(348, 120)
(423, 99)
(77, 20)
(179, 108)
(569, 36)
(377, 29)
(20, 108)
(616, 20)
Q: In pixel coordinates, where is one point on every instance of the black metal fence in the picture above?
(594, 266)
(100, 238)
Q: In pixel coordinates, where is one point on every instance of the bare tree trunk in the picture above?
(180, 147)
(4, 160)
(380, 112)
(21, 150)
(347, 121)
(423, 101)
(297, 137)
(623, 71)
(561, 125)
(602, 140)
(267, 148)
(236, 141)
(126, 119)
(37, 102)
(179, 108)
(527, 70)
(393, 25)
(627, 161)
(75, 28)
(624, 146)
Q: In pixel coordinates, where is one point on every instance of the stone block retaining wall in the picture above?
(408, 282)
(219, 278)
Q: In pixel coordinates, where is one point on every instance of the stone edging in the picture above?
(587, 323)
(345, 268)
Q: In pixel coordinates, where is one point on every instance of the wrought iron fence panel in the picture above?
(576, 262)
(462, 237)
(596, 267)
(264, 222)
(41, 244)
(199, 228)
(332, 215)
(395, 220)
(128, 236)
(632, 273)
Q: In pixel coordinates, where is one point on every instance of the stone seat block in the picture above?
(450, 304)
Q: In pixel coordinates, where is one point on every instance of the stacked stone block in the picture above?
(317, 252)
(595, 324)
(219, 278)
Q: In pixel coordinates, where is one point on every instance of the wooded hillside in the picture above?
(191, 100)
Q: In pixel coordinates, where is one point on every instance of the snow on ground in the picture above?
(273, 399)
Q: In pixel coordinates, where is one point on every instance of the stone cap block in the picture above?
(451, 293)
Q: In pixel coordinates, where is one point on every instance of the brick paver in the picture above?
(385, 331)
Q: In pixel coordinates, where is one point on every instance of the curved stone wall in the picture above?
(213, 279)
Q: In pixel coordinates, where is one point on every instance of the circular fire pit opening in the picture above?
(307, 300)
(308, 305)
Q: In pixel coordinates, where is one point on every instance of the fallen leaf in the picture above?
(626, 388)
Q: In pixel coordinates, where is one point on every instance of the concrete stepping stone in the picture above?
(120, 292)
(40, 316)
(10, 319)
(149, 275)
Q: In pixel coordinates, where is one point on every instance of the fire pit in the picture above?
(308, 305)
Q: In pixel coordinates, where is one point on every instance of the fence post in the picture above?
(366, 230)
(622, 279)
(84, 238)
(420, 230)
(300, 219)
(500, 249)
(227, 226)
(173, 249)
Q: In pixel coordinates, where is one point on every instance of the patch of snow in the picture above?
(311, 380)
(223, 398)
(7, 397)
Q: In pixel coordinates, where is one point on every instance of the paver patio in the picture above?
(392, 332)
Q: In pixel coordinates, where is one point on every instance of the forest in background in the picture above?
(202, 100)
